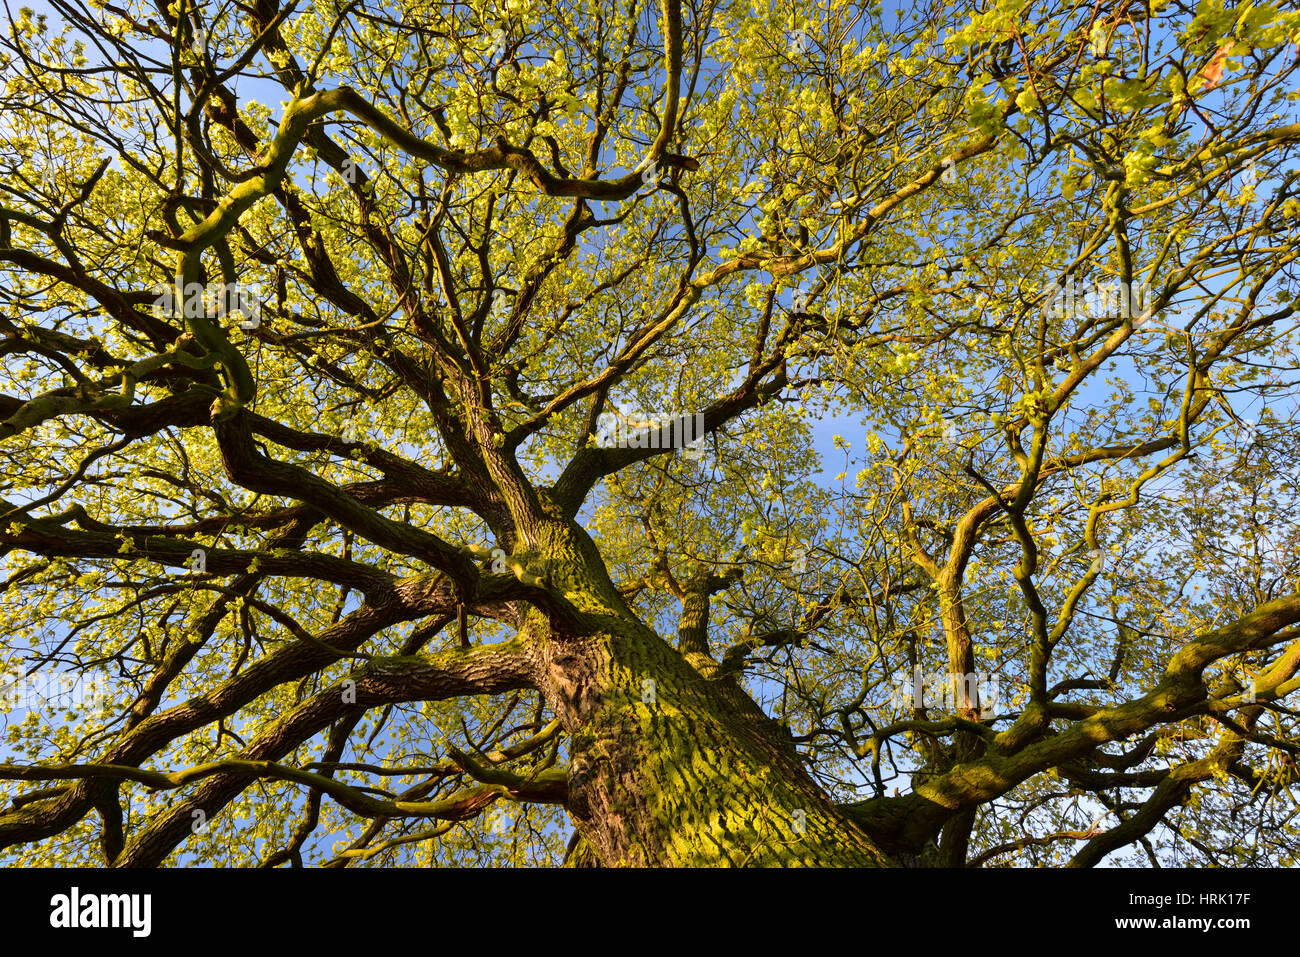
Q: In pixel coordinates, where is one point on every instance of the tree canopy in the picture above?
(613, 433)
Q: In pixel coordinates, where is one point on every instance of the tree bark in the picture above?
(675, 765)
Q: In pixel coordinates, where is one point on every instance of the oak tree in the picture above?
(420, 426)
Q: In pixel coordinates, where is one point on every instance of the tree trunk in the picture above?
(669, 766)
